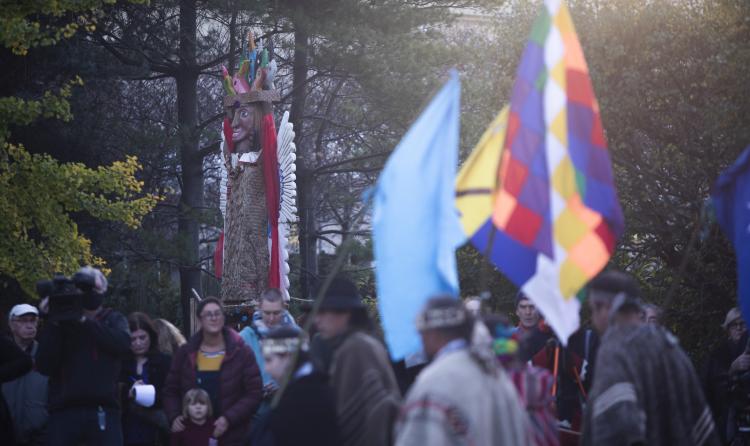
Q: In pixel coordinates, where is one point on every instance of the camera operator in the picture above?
(81, 349)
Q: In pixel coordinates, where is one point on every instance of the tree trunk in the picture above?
(305, 179)
(191, 198)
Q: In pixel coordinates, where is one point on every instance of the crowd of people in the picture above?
(100, 378)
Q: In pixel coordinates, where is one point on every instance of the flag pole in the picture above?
(346, 246)
(699, 221)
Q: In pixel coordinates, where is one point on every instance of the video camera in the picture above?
(68, 296)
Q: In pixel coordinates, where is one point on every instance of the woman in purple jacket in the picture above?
(216, 360)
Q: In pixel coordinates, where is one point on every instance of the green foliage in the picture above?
(670, 80)
(38, 195)
(19, 112)
(29, 24)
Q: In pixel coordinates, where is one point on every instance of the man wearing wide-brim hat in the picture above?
(366, 392)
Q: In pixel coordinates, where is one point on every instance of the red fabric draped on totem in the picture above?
(271, 180)
(219, 256)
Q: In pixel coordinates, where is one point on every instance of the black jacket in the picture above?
(83, 360)
(157, 368)
(716, 382)
(308, 401)
(13, 363)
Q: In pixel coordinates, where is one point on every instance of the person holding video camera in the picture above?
(81, 349)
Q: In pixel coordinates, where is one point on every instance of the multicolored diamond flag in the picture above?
(556, 215)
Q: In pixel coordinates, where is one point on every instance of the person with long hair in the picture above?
(143, 423)
(170, 337)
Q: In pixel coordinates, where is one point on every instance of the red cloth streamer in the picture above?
(228, 134)
(219, 257)
(271, 181)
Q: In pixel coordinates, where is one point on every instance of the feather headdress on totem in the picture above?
(254, 80)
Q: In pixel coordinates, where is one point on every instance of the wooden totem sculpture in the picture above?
(258, 183)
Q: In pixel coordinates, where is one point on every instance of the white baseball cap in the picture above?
(21, 309)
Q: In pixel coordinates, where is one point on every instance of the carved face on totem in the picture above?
(245, 108)
(243, 125)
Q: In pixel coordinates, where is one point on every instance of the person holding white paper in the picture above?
(142, 378)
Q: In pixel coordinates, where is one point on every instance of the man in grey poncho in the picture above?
(645, 389)
(461, 398)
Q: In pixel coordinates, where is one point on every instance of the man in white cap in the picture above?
(26, 396)
(22, 321)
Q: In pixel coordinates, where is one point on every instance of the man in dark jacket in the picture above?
(727, 361)
(365, 387)
(27, 395)
(13, 363)
(307, 398)
(645, 390)
(82, 357)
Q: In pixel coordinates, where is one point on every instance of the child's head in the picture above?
(196, 405)
(279, 347)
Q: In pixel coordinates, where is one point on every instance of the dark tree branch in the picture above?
(210, 149)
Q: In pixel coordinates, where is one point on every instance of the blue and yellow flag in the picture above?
(477, 180)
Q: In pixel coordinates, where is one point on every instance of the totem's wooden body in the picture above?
(245, 273)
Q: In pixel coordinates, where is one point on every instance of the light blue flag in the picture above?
(416, 228)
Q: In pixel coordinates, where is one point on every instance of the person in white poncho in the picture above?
(461, 397)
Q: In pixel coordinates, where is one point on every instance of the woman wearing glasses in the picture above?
(216, 360)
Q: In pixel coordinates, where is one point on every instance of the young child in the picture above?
(197, 418)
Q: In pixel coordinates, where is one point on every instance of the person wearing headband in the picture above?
(458, 399)
(645, 389)
(307, 398)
